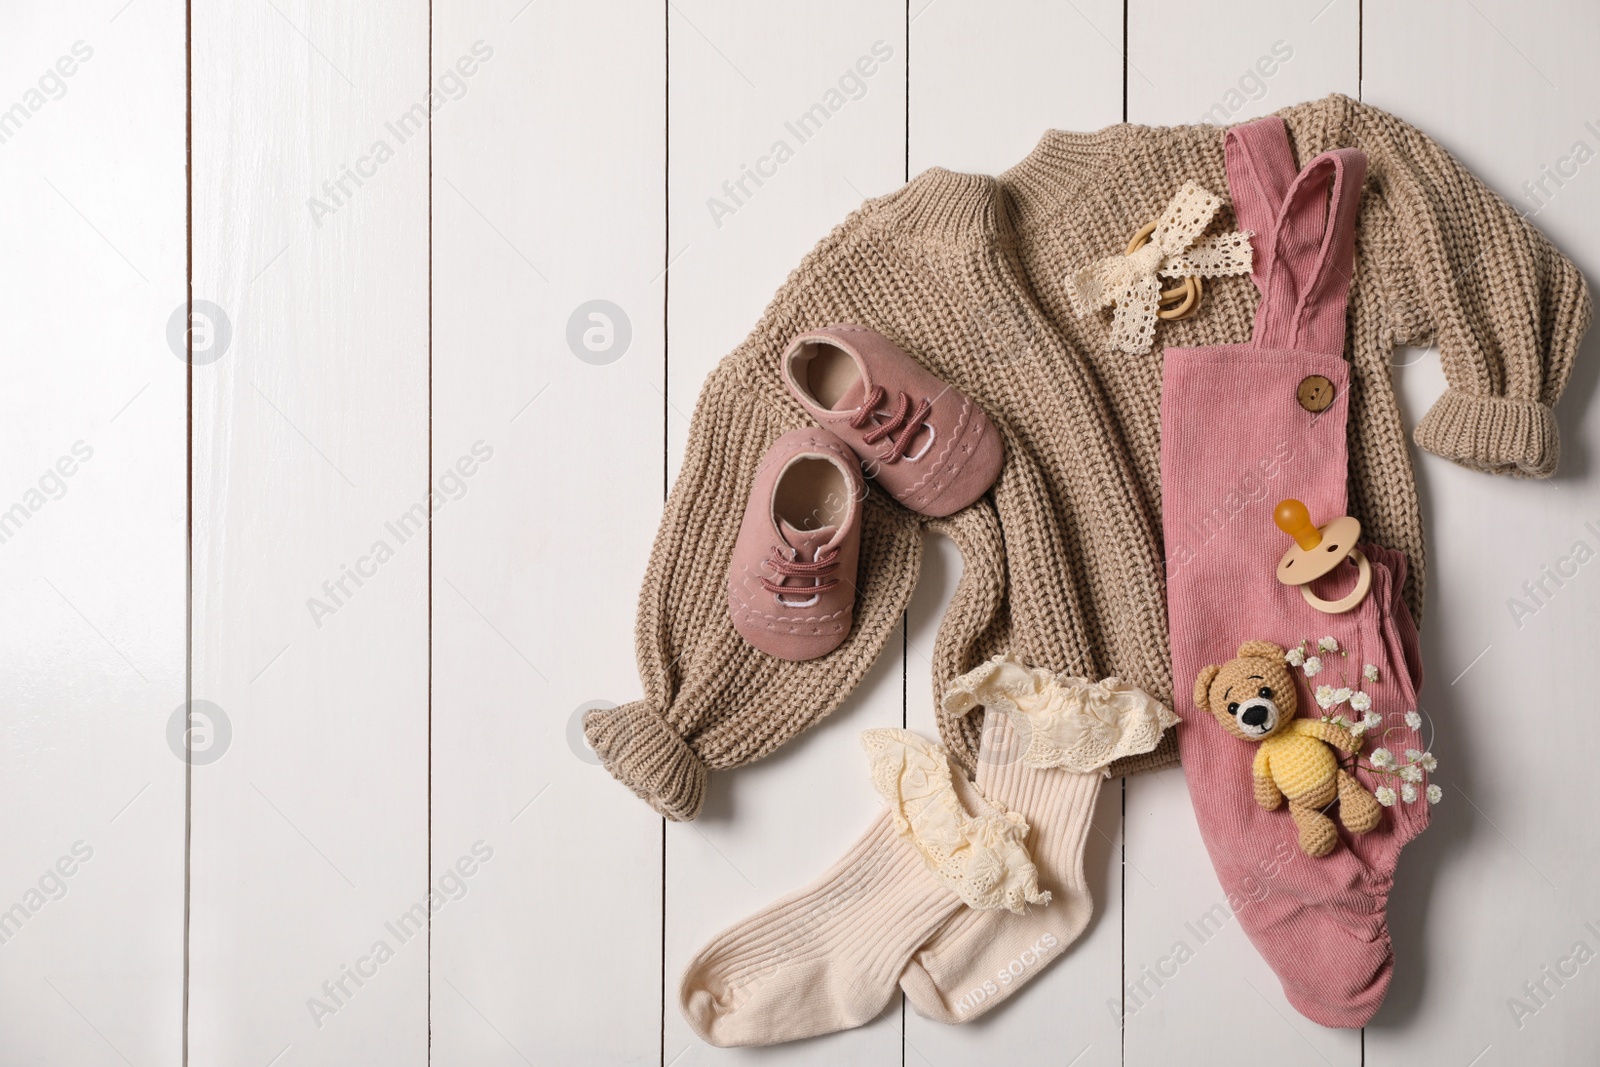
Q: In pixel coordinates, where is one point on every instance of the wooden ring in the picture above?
(1186, 296)
(1141, 238)
(1191, 290)
(1350, 599)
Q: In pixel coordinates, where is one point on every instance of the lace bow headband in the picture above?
(1132, 282)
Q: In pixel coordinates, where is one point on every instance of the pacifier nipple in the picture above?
(1293, 519)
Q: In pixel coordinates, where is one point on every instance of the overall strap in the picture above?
(1305, 254)
(1260, 170)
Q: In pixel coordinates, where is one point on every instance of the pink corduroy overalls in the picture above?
(1235, 440)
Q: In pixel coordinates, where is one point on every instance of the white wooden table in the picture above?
(388, 845)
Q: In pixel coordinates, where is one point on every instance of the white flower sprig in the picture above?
(1381, 762)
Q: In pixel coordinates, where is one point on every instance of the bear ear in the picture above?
(1264, 649)
(1202, 686)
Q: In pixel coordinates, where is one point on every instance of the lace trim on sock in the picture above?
(1065, 721)
(982, 859)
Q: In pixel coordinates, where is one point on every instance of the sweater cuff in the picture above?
(1496, 434)
(645, 754)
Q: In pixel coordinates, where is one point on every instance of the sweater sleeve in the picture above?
(710, 699)
(1466, 272)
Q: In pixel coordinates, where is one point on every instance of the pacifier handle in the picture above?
(1356, 595)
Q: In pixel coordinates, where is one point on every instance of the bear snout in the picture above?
(1258, 717)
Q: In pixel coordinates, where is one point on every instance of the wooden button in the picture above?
(1315, 393)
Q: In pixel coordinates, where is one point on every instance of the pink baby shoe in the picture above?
(792, 581)
(925, 442)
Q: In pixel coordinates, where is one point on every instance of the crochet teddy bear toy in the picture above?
(1254, 698)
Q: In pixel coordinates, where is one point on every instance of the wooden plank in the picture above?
(982, 93)
(92, 533)
(1493, 898)
(1221, 65)
(310, 837)
(981, 97)
(555, 956)
(1226, 63)
(735, 80)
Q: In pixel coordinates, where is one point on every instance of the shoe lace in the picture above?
(899, 427)
(826, 563)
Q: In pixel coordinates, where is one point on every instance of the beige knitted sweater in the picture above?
(1063, 562)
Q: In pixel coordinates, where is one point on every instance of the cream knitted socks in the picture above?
(979, 958)
(828, 957)
(935, 896)
(825, 958)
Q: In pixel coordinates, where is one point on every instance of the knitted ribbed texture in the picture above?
(979, 958)
(825, 958)
(1064, 560)
(1501, 435)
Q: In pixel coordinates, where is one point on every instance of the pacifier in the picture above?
(1318, 550)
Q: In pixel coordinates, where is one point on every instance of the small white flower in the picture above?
(1385, 796)
(1370, 673)
(1342, 695)
(1413, 720)
(1327, 644)
(1313, 666)
(1295, 656)
(1372, 721)
(1411, 773)
(1413, 754)
(1427, 762)
(1408, 792)
(1360, 701)
(1358, 730)
(1325, 696)
(1382, 758)
(1435, 794)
